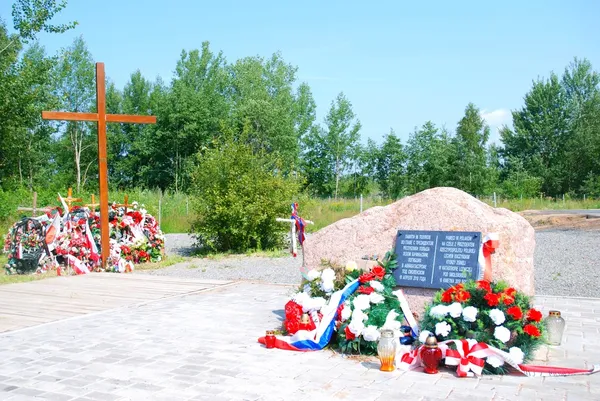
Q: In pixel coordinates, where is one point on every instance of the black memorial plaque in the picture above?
(436, 259)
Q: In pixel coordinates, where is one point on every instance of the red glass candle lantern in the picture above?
(270, 339)
(431, 355)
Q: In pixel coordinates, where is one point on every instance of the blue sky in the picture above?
(399, 64)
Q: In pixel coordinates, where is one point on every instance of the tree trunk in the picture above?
(337, 176)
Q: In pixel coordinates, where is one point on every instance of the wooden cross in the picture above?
(126, 204)
(34, 209)
(101, 118)
(292, 222)
(92, 205)
(69, 199)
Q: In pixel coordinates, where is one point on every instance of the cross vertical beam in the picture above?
(102, 163)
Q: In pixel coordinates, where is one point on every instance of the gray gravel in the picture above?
(567, 263)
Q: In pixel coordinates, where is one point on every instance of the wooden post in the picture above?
(361, 203)
(160, 207)
(494, 199)
(34, 209)
(293, 246)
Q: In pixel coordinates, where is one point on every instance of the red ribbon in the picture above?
(489, 247)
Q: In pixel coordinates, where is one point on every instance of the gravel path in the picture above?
(566, 263)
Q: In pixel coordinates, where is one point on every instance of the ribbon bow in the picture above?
(489, 245)
(468, 358)
(299, 223)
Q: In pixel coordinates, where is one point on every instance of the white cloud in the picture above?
(497, 118)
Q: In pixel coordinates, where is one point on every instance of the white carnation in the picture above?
(313, 275)
(442, 329)
(328, 275)
(376, 298)
(455, 310)
(497, 316)
(516, 354)
(423, 335)
(502, 334)
(327, 285)
(301, 298)
(470, 314)
(370, 333)
(313, 304)
(356, 326)
(362, 302)
(494, 361)
(377, 286)
(390, 321)
(439, 311)
(360, 315)
(346, 312)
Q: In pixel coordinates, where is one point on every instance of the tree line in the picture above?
(552, 148)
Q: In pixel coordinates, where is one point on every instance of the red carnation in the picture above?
(484, 285)
(447, 296)
(379, 272)
(508, 300)
(292, 326)
(510, 292)
(515, 312)
(462, 296)
(365, 290)
(492, 299)
(534, 315)
(293, 310)
(532, 330)
(349, 335)
(366, 277)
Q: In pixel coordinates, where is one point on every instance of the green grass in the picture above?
(518, 205)
(324, 212)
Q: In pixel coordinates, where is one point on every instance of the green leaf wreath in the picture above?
(373, 306)
(489, 312)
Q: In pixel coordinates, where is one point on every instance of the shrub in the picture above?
(238, 194)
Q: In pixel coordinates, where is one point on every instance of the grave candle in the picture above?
(556, 326)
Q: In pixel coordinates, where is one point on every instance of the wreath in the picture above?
(488, 312)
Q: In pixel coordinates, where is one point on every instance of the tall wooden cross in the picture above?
(101, 118)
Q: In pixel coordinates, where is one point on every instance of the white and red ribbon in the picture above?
(488, 246)
(469, 359)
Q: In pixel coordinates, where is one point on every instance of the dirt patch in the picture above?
(542, 219)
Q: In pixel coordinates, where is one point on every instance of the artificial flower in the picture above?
(376, 298)
(507, 299)
(370, 333)
(423, 335)
(349, 334)
(532, 330)
(502, 334)
(510, 292)
(497, 316)
(378, 271)
(484, 285)
(462, 296)
(447, 296)
(442, 329)
(390, 321)
(356, 326)
(365, 290)
(376, 285)
(515, 312)
(470, 314)
(516, 354)
(366, 277)
(492, 299)
(494, 361)
(313, 274)
(362, 302)
(359, 315)
(439, 311)
(313, 304)
(346, 312)
(455, 309)
(328, 274)
(351, 266)
(534, 315)
(327, 286)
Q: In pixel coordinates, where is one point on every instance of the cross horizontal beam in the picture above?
(111, 118)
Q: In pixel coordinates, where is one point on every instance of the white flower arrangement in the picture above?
(442, 329)
(497, 316)
(502, 334)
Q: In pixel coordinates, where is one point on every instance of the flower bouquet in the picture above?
(490, 313)
(373, 307)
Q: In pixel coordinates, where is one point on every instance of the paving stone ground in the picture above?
(203, 346)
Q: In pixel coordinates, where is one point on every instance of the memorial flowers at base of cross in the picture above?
(488, 312)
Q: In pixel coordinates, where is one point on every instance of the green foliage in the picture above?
(239, 194)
